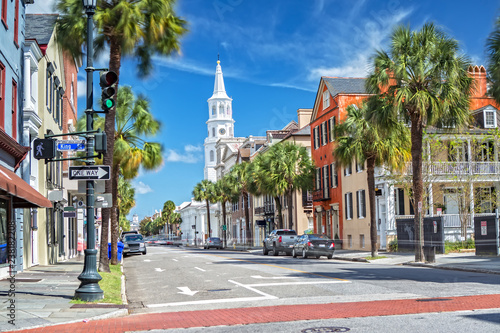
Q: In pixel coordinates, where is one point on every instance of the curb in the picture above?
(351, 259)
(454, 268)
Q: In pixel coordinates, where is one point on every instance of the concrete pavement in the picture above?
(43, 293)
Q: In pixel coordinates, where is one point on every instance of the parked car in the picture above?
(314, 245)
(132, 232)
(161, 241)
(149, 240)
(213, 242)
(133, 243)
(279, 240)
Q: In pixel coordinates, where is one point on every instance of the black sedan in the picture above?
(313, 245)
(133, 244)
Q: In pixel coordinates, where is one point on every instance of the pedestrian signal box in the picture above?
(44, 148)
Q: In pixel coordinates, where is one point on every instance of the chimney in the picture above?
(304, 116)
(478, 73)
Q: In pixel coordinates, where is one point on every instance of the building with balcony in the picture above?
(340, 194)
(461, 173)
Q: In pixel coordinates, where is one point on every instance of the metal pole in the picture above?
(89, 289)
(497, 227)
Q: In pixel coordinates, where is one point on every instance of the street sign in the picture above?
(65, 145)
(90, 172)
(69, 214)
(224, 227)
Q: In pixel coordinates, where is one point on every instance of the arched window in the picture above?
(221, 109)
(228, 110)
(211, 156)
(213, 131)
(213, 110)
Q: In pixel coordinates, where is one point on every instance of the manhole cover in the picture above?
(325, 329)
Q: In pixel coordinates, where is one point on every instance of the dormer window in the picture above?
(326, 99)
(490, 120)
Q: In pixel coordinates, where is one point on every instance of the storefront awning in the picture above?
(23, 195)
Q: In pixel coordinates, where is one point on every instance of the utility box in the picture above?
(406, 234)
(485, 234)
(434, 233)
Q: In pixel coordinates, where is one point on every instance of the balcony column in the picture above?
(471, 198)
(431, 200)
(390, 209)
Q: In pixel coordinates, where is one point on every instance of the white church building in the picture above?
(220, 135)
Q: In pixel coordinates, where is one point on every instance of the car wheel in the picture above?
(265, 250)
(144, 253)
(330, 256)
(275, 251)
(304, 253)
(294, 254)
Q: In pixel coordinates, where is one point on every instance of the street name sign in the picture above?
(90, 172)
(65, 145)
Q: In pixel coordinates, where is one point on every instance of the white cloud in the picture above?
(41, 7)
(141, 188)
(191, 154)
(81, 88)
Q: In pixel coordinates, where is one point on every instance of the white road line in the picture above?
(201, 269)
(210, 301)
(293, 283)
(254, 290)
(274, 277)
(175, 260)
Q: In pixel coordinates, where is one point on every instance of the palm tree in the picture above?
(290, 169)
(362, 140)
(125, 202)
(425, 81)
(241, 181)
(139, 28)
(134, 122)
(204, 191)
(166, 213)
(493, 52)
(225, 191)
(175, 218)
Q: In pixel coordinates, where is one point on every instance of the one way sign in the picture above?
(90, 172)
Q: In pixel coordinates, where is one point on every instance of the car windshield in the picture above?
(214, 239)
(317, 236)
(133, 238)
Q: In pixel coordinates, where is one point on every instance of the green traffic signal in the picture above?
(107, 82)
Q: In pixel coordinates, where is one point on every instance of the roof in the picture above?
(40, 27)
(345, 85)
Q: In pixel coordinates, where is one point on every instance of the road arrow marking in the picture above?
(274, 277)
(186, 291)
(147, 260)
(159, 270)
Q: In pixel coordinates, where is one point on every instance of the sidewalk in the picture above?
(43, 295)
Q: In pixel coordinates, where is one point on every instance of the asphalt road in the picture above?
(170, 279)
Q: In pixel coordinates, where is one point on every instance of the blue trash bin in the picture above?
(120, 250)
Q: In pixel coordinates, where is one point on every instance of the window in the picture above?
(489, 119)
(332, 129)
(362, 241)
(349, 240)
(213, 131)
(316, 137)
(326, 99)
(326, 181)
(14, 109)
(399, 201)
(361, 203)
(335, 177)
(348, 170)
(4, 13)
(221, 109)
(324, 133)
(2, 95)
(213, 110)
(16, 23)
(359, 166)
(318, 178)
(348, 206)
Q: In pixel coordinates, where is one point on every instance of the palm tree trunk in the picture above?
(370, 171)
(208, 219)
(290, 209)
(247, 219)
(280, 217)
(418, 183)
(115, 53)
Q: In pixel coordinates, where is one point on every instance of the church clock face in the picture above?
(222, 131)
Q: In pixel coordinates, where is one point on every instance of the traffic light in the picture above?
(44, 148)
(107, 82)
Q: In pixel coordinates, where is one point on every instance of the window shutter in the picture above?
(401, 198)
(363, 201)
(346, 206)
(350, 204)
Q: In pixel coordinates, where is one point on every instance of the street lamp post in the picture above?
(89, 289)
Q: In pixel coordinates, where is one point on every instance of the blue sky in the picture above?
(272, 54)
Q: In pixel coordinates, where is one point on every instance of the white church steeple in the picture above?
(220, 123)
